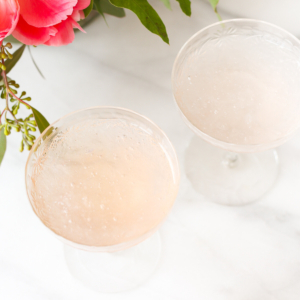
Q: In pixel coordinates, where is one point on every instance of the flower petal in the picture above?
(31, 35)
(65, 34)
(76, 15)
(9, 16)
(82, 4)
(75, 24)
(44, 13)
(82, 16)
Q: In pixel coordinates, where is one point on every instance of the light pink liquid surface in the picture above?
(102, 183)
(241, 89)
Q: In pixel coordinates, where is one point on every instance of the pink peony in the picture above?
(37, 22)
(9, 16)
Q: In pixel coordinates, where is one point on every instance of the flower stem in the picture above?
(16, 97)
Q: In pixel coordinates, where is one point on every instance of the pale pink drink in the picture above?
(241, 89)
(103, 179)
(237, 86)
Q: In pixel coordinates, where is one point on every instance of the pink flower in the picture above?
(36, 22)
(9, 16)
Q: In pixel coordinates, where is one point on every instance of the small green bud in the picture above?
(15, 111)
(3, 56)
(33, 122)
(28, 147)
(27, 99)
(8, 45)
(22, 146)
(3, 94)
(6, 130)
(3, 67)
(32, 136)
(17, 128)
(32, 128)
(23, 94)
(14, 91)
(9, 55)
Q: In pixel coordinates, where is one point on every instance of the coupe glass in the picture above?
(237, 86)
(103, 180)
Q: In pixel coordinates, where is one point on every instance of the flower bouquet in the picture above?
(52, 23)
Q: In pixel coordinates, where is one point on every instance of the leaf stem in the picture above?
(4, 110)
(8, 91)
(16, 97)
(6, 100)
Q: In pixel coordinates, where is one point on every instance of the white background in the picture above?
(210, 252)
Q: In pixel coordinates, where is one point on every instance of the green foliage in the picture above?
(11, 63)
(214, 4)
(41, 121)
(24, 126)
(147, 15)
(88, 10)
(35, 64)
(2, 144)
(185, 6)
(98, 8)
(104, 6)
(9, 92)
(166, 3)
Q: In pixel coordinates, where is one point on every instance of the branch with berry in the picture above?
(9, 119)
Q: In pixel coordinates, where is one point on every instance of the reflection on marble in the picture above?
(210, 252)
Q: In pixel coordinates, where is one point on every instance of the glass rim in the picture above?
(205, 136)
(115, 247)
(102, 107)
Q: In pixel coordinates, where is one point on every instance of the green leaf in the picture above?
(214, 4)
(147, 15)
(10, 63)
(110, 9)
(186, 6)
(88, 10)
(98, 7)
(2, 144)
(35, 64)
(166, 3)
(41, 121)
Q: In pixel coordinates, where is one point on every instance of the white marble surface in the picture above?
(210, 252)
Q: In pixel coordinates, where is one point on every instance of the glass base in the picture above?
(230, 178)
(118, 271)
